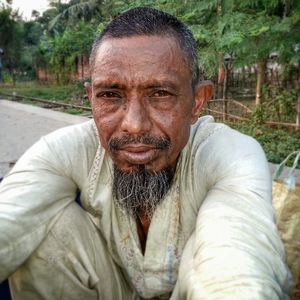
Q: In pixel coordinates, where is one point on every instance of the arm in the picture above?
(235, 251)
(31, 197)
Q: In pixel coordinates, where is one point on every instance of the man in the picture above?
(172, 206)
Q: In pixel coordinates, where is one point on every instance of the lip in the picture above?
(137, 147)
(138, 153)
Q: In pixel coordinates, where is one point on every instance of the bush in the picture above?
(7, 78)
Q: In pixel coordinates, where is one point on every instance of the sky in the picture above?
(27, 6)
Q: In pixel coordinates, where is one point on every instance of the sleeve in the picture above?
(31, 198)
(235, 251)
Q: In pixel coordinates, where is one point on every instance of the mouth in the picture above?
(138, 153)
(138, 150)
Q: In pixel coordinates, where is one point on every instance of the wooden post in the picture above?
(221, 75)
(260, 79)
(82, 67)
(298, 114)
(225, 109)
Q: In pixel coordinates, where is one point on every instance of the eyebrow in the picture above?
(106, 85)
(160, 84)
(148, 85)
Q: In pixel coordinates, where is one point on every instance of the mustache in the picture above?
(159, 142)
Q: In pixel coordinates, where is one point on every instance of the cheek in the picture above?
(180, 136)
(106, 125)
(176, 125)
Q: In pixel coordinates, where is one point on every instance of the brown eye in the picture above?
(108, 95)
(161, 93)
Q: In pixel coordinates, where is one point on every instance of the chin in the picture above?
(133, 168)
(144, 168)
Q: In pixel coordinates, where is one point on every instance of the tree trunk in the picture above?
(13, 74)
(287, 8)
(244, 77)
(82, 67)
(224, 97)
(225, 83)
(260, 79)
(14, 79)
(221, 75)
(298, 114)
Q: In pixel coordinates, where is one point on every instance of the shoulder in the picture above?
(73, 147)
(220, 151)
(64, 151)
(206, 130)
(81, 134)
(221, 141)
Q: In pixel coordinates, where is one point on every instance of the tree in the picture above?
(67, 47)
(32, 32)
(11, 34)
(73, 11)
(248, 30)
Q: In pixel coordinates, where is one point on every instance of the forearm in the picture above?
(235, 251)
(31, 197)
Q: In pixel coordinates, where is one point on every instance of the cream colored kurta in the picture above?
(213, 236)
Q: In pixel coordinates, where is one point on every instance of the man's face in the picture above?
(143, 102)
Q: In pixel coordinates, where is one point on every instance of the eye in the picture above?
(108, 94)
(160, 93)
(161, 99)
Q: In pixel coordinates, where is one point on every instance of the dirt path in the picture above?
(21, 125)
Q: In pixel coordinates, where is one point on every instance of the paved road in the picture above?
(21, 125)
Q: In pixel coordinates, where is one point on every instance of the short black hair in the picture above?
(150, 21)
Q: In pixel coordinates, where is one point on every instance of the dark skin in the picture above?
(142, 85)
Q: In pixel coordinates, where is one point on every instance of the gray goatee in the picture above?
(141, 190)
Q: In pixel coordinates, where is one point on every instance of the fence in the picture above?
(234, 111)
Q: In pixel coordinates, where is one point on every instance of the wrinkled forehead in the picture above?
(139, 53)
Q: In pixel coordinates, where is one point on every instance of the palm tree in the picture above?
(73, 11)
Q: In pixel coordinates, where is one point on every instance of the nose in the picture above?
(136, 119)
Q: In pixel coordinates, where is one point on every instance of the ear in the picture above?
(88, 90)
(203, 92)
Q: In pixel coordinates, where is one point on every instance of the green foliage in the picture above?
(19, 40)
(10, 37)
(32, 33)
(68, 14)
(7, 78)
(73, 111)
(67, 93)
(67, 47)
(282, 107)
(259, 114)
(278, 105)
(249, 30)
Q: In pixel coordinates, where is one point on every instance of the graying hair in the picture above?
(150, 21)
(141, 191)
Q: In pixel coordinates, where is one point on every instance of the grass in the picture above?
(73, 111)
(72, 93)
